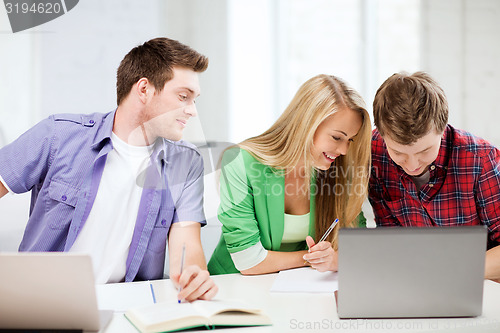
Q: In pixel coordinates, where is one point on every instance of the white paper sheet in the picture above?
(305, 280)
(122, 296)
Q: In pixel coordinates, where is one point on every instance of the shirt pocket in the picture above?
(62, 203)
(158, 239)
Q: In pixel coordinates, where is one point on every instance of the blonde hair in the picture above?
(289, 141)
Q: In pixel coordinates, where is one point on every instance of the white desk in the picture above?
(299, 312)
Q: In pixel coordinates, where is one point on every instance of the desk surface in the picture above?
(296, 312)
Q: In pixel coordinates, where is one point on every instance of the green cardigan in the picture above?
(252, 209)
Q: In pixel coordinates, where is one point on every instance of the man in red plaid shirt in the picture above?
(427, 173)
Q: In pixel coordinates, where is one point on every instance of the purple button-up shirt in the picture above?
(61, 160)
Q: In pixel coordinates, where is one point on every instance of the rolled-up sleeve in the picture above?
(249, 257)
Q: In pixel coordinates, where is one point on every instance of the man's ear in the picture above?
(144, 89)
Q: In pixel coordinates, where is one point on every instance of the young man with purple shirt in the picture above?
(119, 185)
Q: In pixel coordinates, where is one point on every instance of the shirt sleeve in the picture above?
(189, 206)
(488, 194)
(25, 162)
(237, 211)
(249, 257)
(382, 213)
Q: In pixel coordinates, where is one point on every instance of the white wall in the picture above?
(461, 49)
(14, 210)
(203, 25)
(256, 65)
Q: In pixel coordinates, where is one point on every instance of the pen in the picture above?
(182, 267)
(327, 232)
(152, 292)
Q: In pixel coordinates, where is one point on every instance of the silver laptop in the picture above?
(411, 272)
(48, 291)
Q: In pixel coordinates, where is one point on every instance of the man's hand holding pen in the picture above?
(195, 283)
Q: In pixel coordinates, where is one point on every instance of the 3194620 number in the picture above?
(39, 8)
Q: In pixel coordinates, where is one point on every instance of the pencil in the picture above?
(182, 266)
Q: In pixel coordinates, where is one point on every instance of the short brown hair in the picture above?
(407, 107)
(154, 60)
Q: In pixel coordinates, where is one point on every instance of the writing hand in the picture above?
(196, 284)
(321, 256)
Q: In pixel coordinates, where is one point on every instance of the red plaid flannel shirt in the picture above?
(463, 189)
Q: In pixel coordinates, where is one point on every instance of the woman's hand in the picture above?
(321, 256)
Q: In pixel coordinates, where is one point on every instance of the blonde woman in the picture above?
(281, 190)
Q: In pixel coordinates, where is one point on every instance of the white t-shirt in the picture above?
(108, 231)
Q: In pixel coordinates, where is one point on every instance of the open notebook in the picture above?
(171, 316)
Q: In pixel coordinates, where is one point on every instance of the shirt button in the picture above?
(163, 222)
(431, 185)
(63, 198)
(91, 121)
(433, 167)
